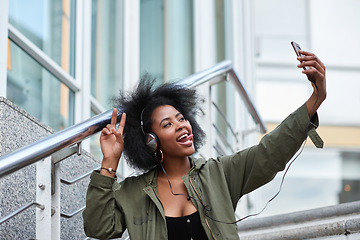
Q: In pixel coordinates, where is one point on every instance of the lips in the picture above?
(185, 139)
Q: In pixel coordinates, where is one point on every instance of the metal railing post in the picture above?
(55, 201)
(43, 196)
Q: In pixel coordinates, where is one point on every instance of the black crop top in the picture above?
(186, 227)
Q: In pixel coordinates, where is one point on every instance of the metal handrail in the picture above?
(223, 137)
(58, 145)
(75, 180)
(248, 103)
(228, 125)
(13, 214)
(206, 75)
(223, 68)
(70, 215)
(47, 146)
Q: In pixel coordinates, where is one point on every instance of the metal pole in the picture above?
(45, 147)
(43, 196)
(55, 202)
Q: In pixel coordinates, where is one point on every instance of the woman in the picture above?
(178, 196)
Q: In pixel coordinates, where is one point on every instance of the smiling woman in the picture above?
(173, 131)
(179, 196)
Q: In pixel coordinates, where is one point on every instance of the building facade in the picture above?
(63, 60)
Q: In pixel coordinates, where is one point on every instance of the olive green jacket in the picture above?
(217, 183)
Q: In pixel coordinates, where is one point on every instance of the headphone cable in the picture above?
(271, 199)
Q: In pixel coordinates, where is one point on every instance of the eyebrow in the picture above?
(167, 118)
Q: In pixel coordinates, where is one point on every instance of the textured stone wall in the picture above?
(18, 129)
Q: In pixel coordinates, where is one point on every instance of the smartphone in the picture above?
(297, 48)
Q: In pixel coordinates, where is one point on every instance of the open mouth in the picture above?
(185, 138)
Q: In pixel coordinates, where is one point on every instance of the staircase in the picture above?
(19, 189)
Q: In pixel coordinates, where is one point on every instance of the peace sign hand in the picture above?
(112, 143)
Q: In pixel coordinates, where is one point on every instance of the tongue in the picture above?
(183, 139)
(186, 138)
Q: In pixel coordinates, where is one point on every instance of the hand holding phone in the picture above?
(297, 48)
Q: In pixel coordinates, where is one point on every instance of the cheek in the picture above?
(164, 137)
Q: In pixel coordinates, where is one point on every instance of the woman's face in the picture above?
(173, 131)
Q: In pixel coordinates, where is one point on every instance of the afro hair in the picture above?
(144, 100)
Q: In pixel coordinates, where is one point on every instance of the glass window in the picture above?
(106, 55)
(50, 25)
(35, 90)
(166, 39)
(225, 92)
(224, 140)
(350, 179)
(152, 38)
(220, 30)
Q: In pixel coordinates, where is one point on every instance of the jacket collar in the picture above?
(196, 164)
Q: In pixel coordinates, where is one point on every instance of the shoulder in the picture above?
(140, 179)
(202, 164)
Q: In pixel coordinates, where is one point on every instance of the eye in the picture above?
(182, 118)
(167, 125)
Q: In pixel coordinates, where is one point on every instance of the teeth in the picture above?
(183, 136)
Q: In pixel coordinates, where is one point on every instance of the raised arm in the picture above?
(255, 166)
(102, 217)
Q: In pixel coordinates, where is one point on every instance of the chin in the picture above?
(191, 151)
(187, 152)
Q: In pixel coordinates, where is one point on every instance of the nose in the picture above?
(180, 126)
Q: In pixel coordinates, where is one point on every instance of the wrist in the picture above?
(110, 170)
(109, 167)
(319, 96)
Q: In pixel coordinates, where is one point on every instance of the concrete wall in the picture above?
(18, 129)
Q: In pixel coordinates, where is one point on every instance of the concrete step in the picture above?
(334, 222)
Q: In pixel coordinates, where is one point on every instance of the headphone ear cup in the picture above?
(152, 142)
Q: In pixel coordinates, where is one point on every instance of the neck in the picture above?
(175, 167)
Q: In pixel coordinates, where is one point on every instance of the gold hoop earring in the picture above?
(162, 156)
